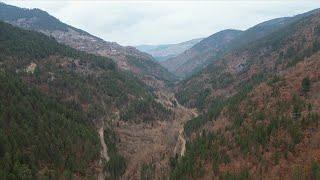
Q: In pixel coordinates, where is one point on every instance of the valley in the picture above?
(238, 104)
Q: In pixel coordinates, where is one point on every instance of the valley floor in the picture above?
(148, 147)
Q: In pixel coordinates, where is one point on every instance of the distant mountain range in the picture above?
(196, 57)
(215, 46)
(166, 51)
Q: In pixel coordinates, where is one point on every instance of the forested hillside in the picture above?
(270, 54)
(40, 137)
(55, 83)
(260, 109)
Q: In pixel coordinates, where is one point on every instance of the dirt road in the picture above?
(104, 153)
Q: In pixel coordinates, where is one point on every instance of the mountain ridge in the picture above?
(143, 66)
(191, 65)
(214, 43)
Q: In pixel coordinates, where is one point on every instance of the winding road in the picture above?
(183, 142)
(104, 153)
(184, 115)
(104, 150)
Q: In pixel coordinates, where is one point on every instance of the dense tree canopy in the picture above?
(36, 130)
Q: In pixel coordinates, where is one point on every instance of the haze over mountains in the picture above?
(166, 51)
(73, 106)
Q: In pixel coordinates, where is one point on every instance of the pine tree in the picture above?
(305, 85)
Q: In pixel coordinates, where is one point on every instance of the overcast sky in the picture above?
(159, 22)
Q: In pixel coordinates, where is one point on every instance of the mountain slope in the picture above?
(185, 63)
(127, 58)
(194, 60)
(260, 109)
(67, 94)
(223, 71)
(166, 51)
